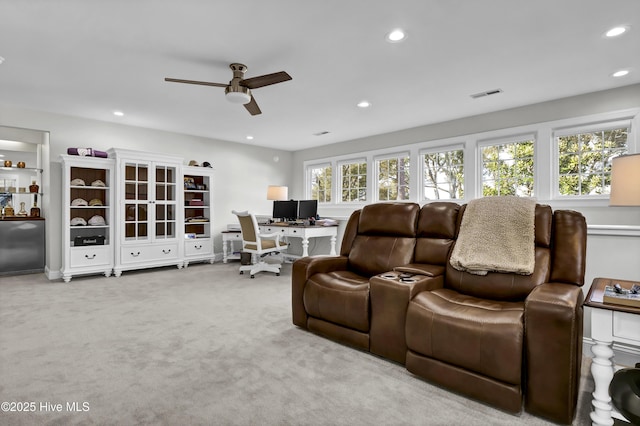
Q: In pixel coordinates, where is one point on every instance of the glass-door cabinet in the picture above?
(149, 210)
(150, 201)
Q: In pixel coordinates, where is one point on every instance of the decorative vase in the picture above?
(21, 165)
(22, 211)
(34, 187)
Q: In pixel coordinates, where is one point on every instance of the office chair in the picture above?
(259, 245)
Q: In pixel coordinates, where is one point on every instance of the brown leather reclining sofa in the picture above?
(502, 338)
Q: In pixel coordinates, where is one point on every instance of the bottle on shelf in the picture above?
(35, 210)
(8, 210)
(34, 187)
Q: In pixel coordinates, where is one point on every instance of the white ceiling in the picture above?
(90, 58)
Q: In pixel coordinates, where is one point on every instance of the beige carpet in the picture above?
(201, 346)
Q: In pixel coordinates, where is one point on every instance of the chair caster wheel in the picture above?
(253, 276)
(241, 272)
(277, 274)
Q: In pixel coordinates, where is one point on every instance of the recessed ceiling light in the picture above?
(620, 73)
(616, 31)
(249, 137)
(396, 36)
(364, 104)
(118, 113)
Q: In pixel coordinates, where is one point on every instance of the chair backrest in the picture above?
(437, 231)
(381, 236)
(560, 251)
(249, 227)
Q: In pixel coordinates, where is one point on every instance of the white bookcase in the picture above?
(149, 193)
(87, 218)
(198, 215)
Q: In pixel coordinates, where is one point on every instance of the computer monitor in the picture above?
(285, 210)
(307, 209)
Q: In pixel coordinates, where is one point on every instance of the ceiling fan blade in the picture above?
(265, 80)
(253, 107)
(202, 83)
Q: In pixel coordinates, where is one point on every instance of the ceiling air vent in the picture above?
(487, 93)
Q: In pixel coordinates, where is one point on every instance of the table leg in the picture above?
(333, 246)
(602, 372)
(224, 251)
(305, 247)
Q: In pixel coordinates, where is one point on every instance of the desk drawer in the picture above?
(90, 256)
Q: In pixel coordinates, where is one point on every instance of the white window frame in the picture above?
(376, 173)
(309, 180)
(460, 146)
(586, 127)
(515, 138)
(340, 177)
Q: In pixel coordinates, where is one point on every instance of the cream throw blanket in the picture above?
(496, 234)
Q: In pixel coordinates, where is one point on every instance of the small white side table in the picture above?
(228, 237)
(609, 323)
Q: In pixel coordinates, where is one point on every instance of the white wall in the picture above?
(613, 245)
(242, 172)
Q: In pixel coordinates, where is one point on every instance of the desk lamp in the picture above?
(277, 193)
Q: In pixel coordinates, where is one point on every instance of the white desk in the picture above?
(294, 231)
(609, 323)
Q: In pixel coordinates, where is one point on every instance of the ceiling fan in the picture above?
(238, 91)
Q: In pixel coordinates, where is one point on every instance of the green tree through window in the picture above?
(393, 179)
(354, 182)
(321, 184)
(507, 169)
(584, 160)
(443, 177)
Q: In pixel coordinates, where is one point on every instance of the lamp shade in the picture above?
(625, 181)
(278, 193)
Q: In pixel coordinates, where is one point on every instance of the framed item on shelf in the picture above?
(189, 183)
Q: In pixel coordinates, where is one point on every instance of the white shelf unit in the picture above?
(198, 215)
(15, 185)
(87, 248)
(149, 194)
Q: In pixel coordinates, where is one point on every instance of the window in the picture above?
(507, 168)
(354, 181)
(443, 175)
(321, 183)
(584, 159)
(393, 178)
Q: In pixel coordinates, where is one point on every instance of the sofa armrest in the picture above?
(553, 340)
(302, 270)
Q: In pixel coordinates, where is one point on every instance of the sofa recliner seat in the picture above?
(503, 338)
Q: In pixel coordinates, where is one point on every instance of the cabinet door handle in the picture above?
(92, 257)
(135, 254)
(198, 247)
(166, 251)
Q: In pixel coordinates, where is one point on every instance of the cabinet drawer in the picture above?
(198, 247)
(160, 252)
(625, 328)
(90, 256)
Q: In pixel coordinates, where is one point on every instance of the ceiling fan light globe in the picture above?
(238, 95)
